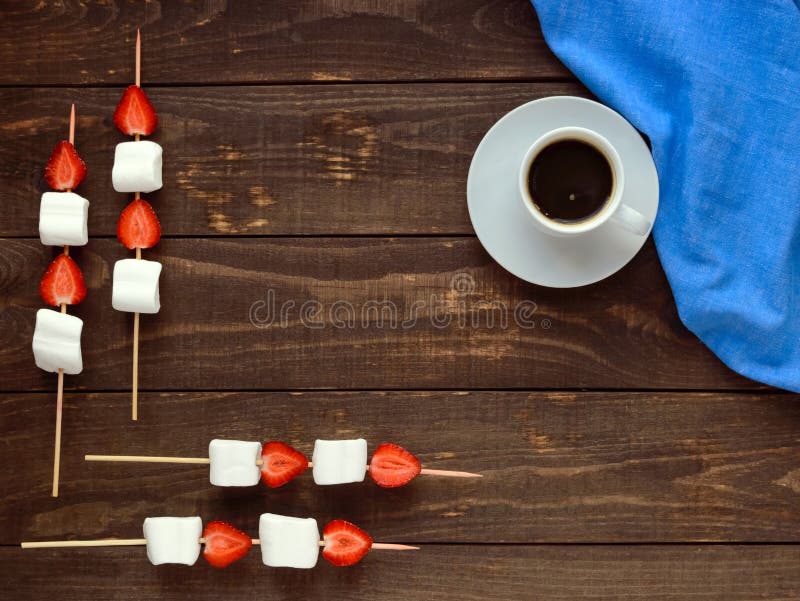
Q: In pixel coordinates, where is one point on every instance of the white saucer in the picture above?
(506, 229)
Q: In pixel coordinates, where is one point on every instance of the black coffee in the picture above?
(570, 181)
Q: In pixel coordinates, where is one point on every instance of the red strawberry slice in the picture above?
(224, 544)
(345, 543)
(62, 283)
(65, 169)
(135, 114)
(393, 466)
(138, 225)
(281, 463)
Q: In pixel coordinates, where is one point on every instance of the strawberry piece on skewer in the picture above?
(135, 114)
(62, 283)
(393, 466)
(224, 544)
(345, 543)
(138, 225)
(281, 463)
(65, 169)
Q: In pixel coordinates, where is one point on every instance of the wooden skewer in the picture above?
(60, 387)
(206, 461)
(132, 542)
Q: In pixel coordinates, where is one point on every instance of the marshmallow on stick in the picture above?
(243, 463)
(137, 169)
(285, 542)
(62, 222)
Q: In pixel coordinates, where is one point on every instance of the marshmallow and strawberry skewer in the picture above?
(285, 542)
(62, 222)
(137, 169)
(244, 463)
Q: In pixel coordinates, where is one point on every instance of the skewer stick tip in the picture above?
(72, 125)
(449, 473)
(138, 57)
(394, 547)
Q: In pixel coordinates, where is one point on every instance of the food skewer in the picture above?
(62, 222)
(137, 169)
(136, 542)
(285, 542)
(60, 387)
(206, 461)
(136, 196)
(244, 463)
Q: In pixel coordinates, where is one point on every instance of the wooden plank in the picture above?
(377, 159)
(251, 41)
(358, 313)
(558, 467)
(463, 573)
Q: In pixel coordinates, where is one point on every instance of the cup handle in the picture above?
(631, 220)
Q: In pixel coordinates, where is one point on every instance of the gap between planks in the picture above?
(247, 83)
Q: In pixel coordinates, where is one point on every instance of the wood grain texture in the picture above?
(53, 42)
(558, 467)
(358, 313)
(377, 159)
(330, 126)
(462, 573)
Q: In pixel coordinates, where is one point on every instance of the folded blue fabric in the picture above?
(715, 85)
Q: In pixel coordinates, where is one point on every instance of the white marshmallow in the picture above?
(173, 540)
(62, 219)
(135, 287)
(137, 167)
(57, 342)
(233, 462)
(339, 461)
(288, 542)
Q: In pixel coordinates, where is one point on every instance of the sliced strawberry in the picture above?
(281, 463)
(62, 283)
(224, 544)
(65, 169)
(393, 466)
(345, 543)
(138, 225)
(135, 114)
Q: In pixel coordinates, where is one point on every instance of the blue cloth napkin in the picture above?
(715, 85)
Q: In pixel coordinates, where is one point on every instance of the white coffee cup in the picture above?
(614, 210)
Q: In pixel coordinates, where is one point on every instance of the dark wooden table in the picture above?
(316, 152)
